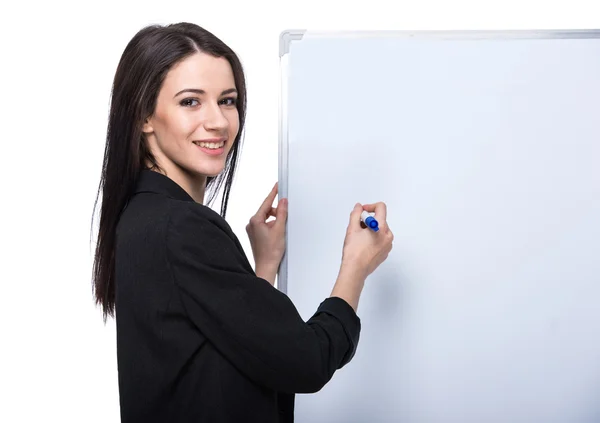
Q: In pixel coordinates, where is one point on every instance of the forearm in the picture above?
(349, 285)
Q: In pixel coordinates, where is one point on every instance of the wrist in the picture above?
(267, 272)
(353, 270)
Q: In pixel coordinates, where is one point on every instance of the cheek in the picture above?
(176, 127)
(234, 123)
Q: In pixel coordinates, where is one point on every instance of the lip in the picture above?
(212, 151)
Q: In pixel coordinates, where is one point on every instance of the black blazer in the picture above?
(201, 338)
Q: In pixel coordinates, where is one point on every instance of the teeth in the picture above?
(212, 145)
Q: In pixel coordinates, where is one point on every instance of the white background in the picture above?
(58, 358)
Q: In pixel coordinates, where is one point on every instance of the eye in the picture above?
(189, 102)
(229, 101)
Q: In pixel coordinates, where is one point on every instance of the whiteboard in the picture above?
(485, 147)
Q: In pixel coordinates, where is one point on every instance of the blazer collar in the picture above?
(151, 181)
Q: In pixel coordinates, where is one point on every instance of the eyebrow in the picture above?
(198, 91)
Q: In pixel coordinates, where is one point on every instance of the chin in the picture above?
(210, 171)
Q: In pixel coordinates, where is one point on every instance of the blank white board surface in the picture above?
(486, 148)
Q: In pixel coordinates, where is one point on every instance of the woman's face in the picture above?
(196, 120)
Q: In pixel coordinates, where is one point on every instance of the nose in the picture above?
(214, 119)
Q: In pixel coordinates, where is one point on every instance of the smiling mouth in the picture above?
(210, 145)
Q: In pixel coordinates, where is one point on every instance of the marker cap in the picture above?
(372, 223)
(369, 220)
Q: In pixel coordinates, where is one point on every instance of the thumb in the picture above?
(355, 217)
(282, 209)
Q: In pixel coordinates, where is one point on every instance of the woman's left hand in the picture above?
(268, 238)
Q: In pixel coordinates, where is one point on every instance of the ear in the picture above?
(147, 128)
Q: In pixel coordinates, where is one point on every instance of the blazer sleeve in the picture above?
(253, 324)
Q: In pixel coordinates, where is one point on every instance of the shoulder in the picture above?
(197, 219)
(197, 231)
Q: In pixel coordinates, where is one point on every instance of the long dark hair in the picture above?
(139, 76)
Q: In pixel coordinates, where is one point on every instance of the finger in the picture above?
(268, 203)
(281, 212)
(355, 217)
(272, 212)
(380, 210)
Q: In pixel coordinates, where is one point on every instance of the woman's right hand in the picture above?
(364, 250)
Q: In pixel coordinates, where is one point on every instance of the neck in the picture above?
(194, 184)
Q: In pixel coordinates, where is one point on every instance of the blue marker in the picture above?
(369, 220)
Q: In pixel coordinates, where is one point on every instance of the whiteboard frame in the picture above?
(287, 37)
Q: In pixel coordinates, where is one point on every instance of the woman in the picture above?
(201, 335)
